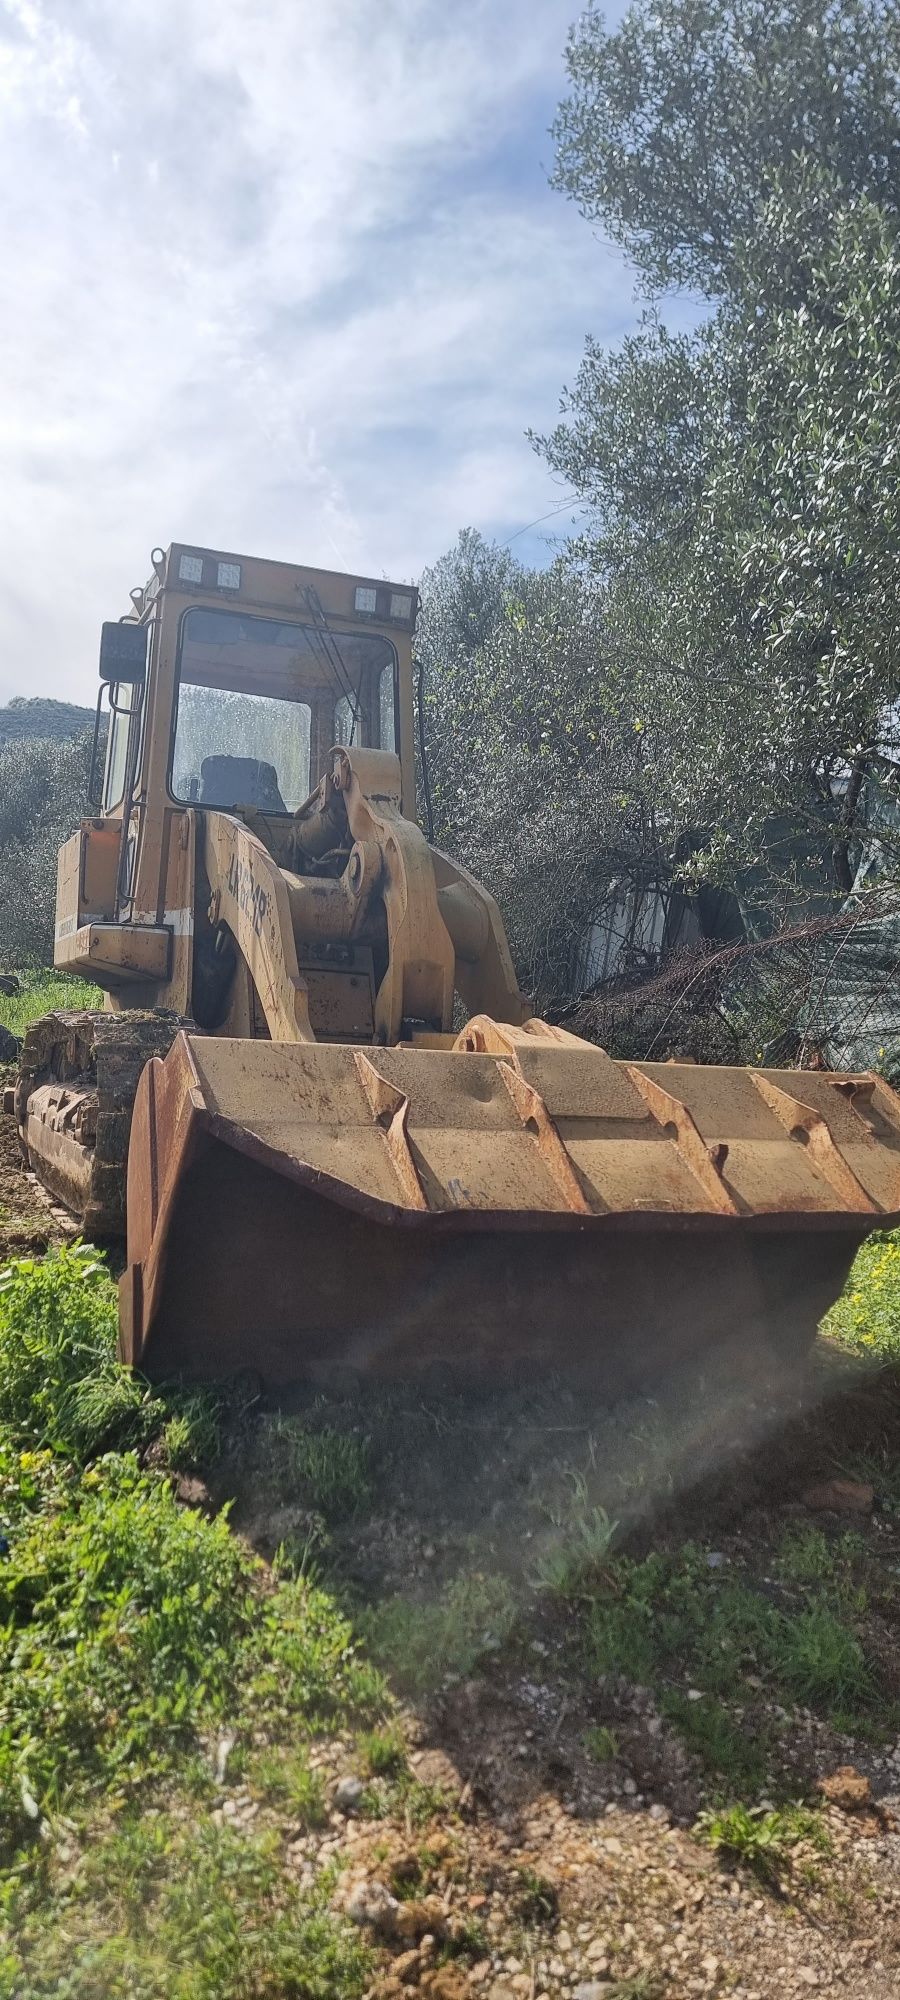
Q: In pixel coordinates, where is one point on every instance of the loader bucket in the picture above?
(309, 1210)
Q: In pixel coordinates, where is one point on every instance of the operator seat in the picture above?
(240, 781)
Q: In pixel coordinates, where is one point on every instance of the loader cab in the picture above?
(227, 684)
(261, 701)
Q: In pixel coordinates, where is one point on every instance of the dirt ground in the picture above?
(587, 1877)
(512, 1862)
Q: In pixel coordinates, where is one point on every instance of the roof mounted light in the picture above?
(228, 575)
(190, 569)
(365, 599)
(401, 606)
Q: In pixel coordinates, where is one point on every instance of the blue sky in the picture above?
(284, 280)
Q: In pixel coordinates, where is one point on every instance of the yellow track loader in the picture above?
(315, 1098)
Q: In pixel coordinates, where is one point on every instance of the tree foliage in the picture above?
(679, 120)
(39, 715)
(705, 685)
(43, 796)
(743, 476)
(532, 767)
(745, 486)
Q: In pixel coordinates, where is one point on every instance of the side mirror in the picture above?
(123, 652)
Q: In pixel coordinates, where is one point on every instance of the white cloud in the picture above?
(287, 281)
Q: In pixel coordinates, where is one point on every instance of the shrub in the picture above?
(866, 1317)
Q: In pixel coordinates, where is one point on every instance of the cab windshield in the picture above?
(260, 704)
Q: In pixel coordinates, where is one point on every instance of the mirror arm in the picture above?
(93, 800)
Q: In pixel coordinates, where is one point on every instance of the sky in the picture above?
(284, 280)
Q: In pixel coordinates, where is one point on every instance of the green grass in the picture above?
(61, 1387)
(163, 1910)
(383, 1751)
(806, 1556)
(568, 1567)
(284, 1778)
(60, 1383)
(420, 1644)
(706, 1641)
(325, 1468)
(720, 1741)
(133, 1633)
(406, 1797)
(816, 1657)
(131, 1627)
(42, 992)
(118, 1614)
(602, 1744)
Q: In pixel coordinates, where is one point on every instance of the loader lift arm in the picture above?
(437, 929)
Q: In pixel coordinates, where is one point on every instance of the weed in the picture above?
(569, 1569)
(602, 1744)
(60, 1382)
(469, 1940)
(620, 1640)
(722, 1744)
(118, 1613)
(304, 1553)
(161, 1911)
(407, 1876)
(192, 1434)
(128, 1624)
(383, 1751)
(301, 1664)
(328, 1468)
(819, 1660)
(805, 1556)
(421, 1803)
(760, 1840)
(421, 1643)
(407, 1796)
(284, 1777)
(537, 1901)
(667, 1617)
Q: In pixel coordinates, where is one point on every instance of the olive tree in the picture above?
(536, 766)
(43, 788)
(679, 119)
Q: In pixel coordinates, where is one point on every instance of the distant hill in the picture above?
(39, 716)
